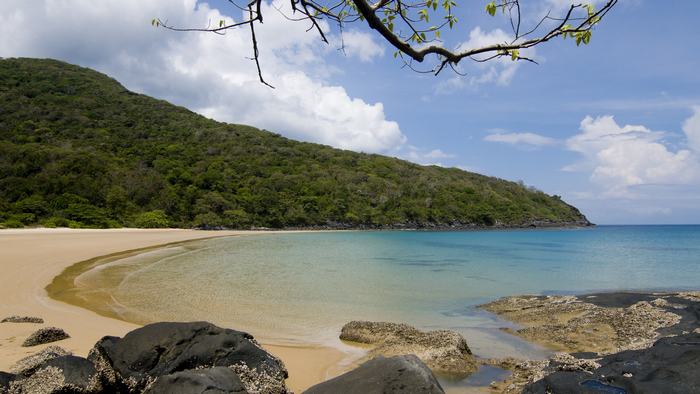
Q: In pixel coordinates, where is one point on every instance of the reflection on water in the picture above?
(303, 287)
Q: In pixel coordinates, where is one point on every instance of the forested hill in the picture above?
(78, 149)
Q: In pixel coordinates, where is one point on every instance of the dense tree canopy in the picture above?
(416, 29)
(78, 149)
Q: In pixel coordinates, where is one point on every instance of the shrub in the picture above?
(12, 223)
(152, 219)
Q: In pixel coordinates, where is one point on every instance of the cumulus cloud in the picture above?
(691, 128)
(208, 73)
(361, 45)
(498, 71)
(529, 139)
(624, 158)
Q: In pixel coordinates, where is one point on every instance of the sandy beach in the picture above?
(31, 258)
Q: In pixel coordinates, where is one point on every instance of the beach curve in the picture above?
(31, 259)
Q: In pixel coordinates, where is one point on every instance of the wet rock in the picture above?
(604, 323)
(217, 380)
(22, 319)
(45, 335)
(135, 361)
(64, 374)
(671, 366)
(394, 375)
(29, 364)
(444, 351)
(567, 362)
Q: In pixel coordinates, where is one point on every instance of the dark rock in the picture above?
(22, 319)
(5, 379)
(585, 355)
(65, 374)
(29, 364)
(210, 381)
(133, 362)
(45, 335)
(670, 366)
(399, 374)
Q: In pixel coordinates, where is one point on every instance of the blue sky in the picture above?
(613, 127)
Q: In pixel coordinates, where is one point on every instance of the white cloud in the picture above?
(417, 155)
(530, 139)
(691, 128)
(361, 45)
(499, 71)
(438, 154)
(208, 73)
(621, 158)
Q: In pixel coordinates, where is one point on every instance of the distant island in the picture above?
(77, 149)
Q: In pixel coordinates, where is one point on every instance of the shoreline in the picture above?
(31, 259)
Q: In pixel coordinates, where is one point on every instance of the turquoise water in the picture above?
(303, 287)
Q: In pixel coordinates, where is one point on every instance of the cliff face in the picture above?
(78, 149)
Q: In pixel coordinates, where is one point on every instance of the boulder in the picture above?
(29, 364)
(5, 379)
(444, 351)
(217, 380)
(135, 361)
(395, 375)
(670, 366)
(22, 319)
(64, 374)
(45, 335)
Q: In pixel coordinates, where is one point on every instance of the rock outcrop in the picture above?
(394, 375)
(134, 362)
(444, 351)
(671, 366)
(45, 335)
(22, 319)
(591, 323)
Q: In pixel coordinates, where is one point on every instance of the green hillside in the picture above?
(78, 149)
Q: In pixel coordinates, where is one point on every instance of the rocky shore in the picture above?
(194, 358)
(611, 343)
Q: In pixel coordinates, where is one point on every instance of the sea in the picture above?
(301, 288)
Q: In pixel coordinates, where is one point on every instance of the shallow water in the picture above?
(302, 287)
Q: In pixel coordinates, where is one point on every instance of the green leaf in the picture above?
(491, 8)
(221, 23)
(514, 54)
(591, 9)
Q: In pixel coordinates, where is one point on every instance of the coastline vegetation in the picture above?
(77, 149)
